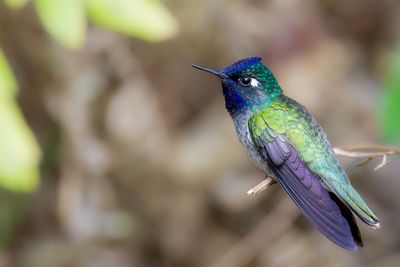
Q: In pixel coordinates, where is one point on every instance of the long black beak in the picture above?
(212, 71)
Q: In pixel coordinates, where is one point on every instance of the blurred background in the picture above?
(115, 152)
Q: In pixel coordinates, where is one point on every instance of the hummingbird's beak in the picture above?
(212, 71)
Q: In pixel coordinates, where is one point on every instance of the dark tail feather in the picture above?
(348, 215)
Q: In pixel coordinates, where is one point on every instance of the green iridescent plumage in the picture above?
(285, 140)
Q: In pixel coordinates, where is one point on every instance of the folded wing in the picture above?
(322, 208)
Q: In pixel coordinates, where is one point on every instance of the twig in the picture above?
(264, 184)
(383, 162)
(369, 152)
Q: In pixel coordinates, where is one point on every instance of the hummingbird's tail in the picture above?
(357, 204)
(348, 215)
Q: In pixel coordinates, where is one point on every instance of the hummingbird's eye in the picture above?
(245, 81)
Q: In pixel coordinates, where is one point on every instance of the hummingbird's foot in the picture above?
(264, 184)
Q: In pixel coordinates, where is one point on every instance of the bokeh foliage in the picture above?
(55, 14)
(66, 22)
(144, 19)
(390, 110)
(19, 153)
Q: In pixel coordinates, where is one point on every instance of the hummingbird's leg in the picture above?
(264, 184)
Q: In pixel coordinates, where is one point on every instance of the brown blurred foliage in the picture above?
(141, 163)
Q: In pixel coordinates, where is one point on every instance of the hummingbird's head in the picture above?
(247, 84)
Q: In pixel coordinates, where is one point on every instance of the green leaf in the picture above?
(65, 20)
(8, 85)
(145, 19)
(19, 152)
(16, 3)
(390, 108)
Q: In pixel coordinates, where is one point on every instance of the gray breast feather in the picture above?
(243, 132)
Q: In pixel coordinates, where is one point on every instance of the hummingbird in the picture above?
(286, 141)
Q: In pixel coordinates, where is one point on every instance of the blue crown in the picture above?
(241, 65)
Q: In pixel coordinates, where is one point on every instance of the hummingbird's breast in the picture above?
(240, 121)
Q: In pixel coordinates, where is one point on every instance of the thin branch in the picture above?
(369, 152)
(264, 184)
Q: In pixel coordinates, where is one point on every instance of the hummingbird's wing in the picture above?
(324, 210)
